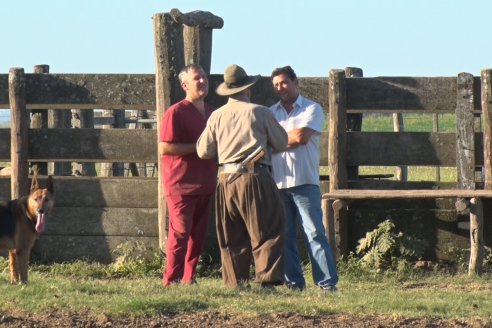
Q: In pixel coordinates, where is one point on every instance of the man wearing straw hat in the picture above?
(249, 213)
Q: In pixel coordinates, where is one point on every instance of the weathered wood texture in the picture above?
(19, 117)
(92, 216)
(67, 91)
(465, 132)
(421, 148)
(476, 237)
(337, 160)
(198, 46)
(390, 194)
(199, 18)
(103, 221)
(486, 84)
(169, 58)
(137, 91)
(354, 121)
(39, 120)
(70, 191)
(88, 145)
(403, 94)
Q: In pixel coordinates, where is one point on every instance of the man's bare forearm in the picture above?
(177, 149)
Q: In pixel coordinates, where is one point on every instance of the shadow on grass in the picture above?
(164, 306)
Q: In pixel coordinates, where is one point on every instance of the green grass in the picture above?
(388, 294)
(412, 123)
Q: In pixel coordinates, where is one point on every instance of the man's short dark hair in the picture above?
(287, 70)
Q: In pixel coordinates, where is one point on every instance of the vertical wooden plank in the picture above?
(486, 77)
(337, 156)
(398, 126)
(476, 237)
(18, 133)
(435, 128)
(198, 46)
(83, 119)
(465, 132)
(354, 121)
(465, 163)
(337, 138)
(59, 119)
(39, 120)
(169, 58)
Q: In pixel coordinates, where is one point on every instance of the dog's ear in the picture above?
(34, 183)
(49, 185)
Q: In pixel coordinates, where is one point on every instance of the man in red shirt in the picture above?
(189, 181)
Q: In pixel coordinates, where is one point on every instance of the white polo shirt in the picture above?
(299, 165)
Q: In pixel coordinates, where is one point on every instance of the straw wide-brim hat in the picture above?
(235, 81)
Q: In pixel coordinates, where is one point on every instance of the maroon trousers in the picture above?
(188, 222)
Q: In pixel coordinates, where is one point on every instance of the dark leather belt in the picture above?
(239, 168)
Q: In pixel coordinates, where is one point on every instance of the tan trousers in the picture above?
(249, 219)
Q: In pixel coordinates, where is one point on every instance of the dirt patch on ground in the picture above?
(215, 319)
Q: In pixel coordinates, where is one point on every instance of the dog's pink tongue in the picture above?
(40, 223)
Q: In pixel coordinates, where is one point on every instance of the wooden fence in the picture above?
(93, 215)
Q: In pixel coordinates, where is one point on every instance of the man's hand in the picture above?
(300, 136)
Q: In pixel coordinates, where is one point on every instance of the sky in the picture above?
(383, 37)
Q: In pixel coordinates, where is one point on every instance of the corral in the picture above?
(94, 215)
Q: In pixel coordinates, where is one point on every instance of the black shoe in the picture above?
(329, 288)
(270, 285)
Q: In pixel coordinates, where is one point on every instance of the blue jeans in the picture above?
(304, 203)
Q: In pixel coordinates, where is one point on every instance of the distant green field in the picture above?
(412, 122)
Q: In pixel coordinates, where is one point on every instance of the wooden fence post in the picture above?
(113, 169)
(83, 119)
(18, 133)
(399, 126)
(435, 128)
(476, 237)
(486, 77)
(59, 119)
(465, 132)
(354, 121)
(337, 158)
(169, 59)
(465, 165)
(39, 120)
(197, 34)
(198, 46)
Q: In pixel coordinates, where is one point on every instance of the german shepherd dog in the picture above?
(21, 222)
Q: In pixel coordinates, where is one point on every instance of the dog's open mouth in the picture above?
(40, 222)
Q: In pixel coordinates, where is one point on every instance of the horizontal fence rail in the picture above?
(137, 91)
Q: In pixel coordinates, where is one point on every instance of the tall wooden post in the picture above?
(169, 59)
(465, 165)
(476, 237)
(337, 158)
(170, 55)
(197, 33)
(39, 120)
(198, 46)
(18, 133)
(354, 121)
(486, 77)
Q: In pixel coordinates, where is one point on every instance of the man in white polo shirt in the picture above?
(296, 173)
